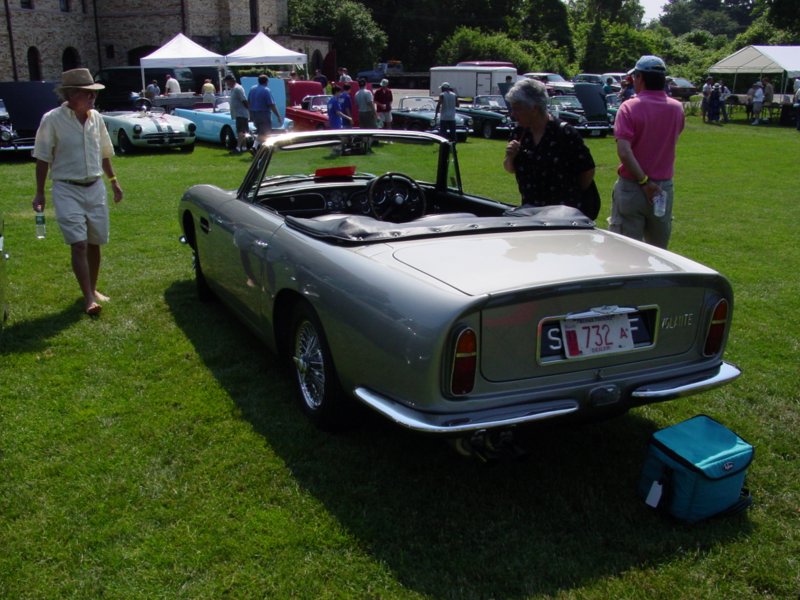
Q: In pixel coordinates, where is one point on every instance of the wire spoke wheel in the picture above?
(309, 364)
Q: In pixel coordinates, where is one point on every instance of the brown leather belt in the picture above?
(80, 183)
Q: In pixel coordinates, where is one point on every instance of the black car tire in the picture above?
(318, 391)
(487, 130)
(124, 142)
(228, 138)
(187, 149)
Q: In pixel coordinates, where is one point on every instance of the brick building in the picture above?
(42, 38)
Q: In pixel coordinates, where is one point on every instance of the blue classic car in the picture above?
(490, 115)
(215, 124)
(360, 259)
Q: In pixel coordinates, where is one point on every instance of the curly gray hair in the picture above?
(530, 92)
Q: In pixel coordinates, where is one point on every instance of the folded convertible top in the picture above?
(360, 229)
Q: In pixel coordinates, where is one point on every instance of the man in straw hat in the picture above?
(72, 143)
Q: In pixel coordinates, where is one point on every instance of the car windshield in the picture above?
(490, 101)
(678, 81)
(555, 78)
(349, 157)
(417, 103)
(565, 103)
(317, 103)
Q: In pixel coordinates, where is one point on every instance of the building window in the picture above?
(64, 4)
(34, 64)
(26, 3)
(254, 27)
(110, 51)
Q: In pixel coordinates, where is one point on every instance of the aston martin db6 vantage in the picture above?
(359, 257)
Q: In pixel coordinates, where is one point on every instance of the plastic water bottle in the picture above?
(660, 204)
(41, 229)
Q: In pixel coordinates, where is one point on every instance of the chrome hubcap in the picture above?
(309, 365)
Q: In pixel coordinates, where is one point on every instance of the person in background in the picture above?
(608, 88)
(748, 106)
(724, 94)
(152, 90)
(714, 104)
(706, 91)
(336, 117)
(172, 86)
(758, 102)
(346, 102)
(769, 96)
(446, 105)
(262, 106)
(365, 102)
(209, 92)
(796, 104)
(647, 128)
(73, 145)
(239, 112)
(626, 92)
(549, 158)
(344, 76)
(321, 79)
(383, 104)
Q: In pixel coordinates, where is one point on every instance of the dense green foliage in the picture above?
(566, 36)
(155, 452)
(357, 38)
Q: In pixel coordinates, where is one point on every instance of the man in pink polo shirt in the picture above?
(646, 129)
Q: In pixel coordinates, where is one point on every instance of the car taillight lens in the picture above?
(716, 331)
(465, 362)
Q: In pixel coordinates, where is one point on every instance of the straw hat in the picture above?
(79, 78)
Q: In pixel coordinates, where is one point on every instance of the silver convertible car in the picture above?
(357, 255)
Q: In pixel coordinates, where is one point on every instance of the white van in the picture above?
(471, 81)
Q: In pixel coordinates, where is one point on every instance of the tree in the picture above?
(546, 21)
(784, 14)
(359, 41)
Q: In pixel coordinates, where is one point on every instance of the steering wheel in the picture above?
(395, 197)
(142, 104)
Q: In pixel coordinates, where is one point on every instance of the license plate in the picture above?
(595, 132)
(595, 336)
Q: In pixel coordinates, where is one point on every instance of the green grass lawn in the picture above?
(156, 452)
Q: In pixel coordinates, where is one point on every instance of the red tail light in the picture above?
(716, 331)
(465, 362)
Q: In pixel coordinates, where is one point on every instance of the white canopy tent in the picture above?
(180, 51)
(762, 60)
(262, 50)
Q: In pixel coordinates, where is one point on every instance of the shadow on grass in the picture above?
(32, 335)
(446, 526)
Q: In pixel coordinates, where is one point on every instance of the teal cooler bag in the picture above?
(696, 469)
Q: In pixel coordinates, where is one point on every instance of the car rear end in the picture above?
(563, 324)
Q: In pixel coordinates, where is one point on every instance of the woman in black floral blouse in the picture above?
(548, 157)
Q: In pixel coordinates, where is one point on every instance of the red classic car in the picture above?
(307, 104)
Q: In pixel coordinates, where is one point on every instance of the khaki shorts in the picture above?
(632, 215)
(81, 212)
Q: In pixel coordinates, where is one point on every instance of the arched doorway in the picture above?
(316, 61)
(34, 64)
(70, 59)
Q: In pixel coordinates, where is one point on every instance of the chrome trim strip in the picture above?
(461, 422)
(684, 386)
